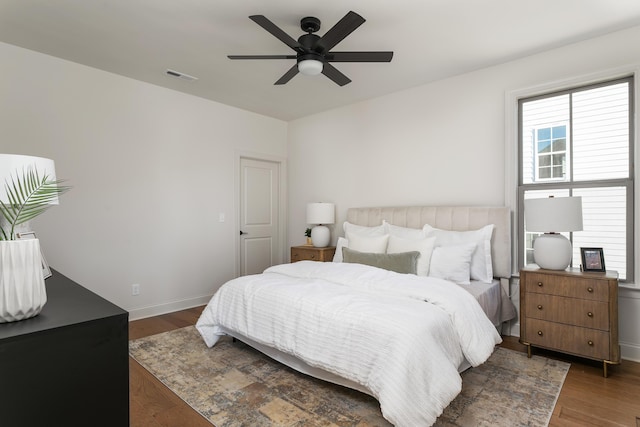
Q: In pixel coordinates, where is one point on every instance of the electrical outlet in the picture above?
(135, 289)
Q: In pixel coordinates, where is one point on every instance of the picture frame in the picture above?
(592, 259)
(46, 271)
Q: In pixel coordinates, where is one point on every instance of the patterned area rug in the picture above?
(232, 384)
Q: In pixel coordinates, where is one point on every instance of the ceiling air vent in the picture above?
(182, 76)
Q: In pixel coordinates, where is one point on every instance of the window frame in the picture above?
(568, 183)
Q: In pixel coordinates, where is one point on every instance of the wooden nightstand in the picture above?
(572, 312)
(311, 253)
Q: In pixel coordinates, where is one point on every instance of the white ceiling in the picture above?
(431, 40)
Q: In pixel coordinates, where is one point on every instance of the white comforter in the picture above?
(400, 336)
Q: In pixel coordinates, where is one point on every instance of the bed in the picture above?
(402, 338)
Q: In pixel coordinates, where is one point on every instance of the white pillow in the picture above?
(481, 267)
(372, 244)
(378, 230)
(452, 263)
(404, 232)
(424, 246)
(342, 243)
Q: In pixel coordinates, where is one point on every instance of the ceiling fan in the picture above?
(313, 53)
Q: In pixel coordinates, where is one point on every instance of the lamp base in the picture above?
(320, 236)
(552, 251)
(21, 280)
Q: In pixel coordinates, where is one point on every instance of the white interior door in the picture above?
(260, 245)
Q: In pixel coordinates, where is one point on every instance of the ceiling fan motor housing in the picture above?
(311, 43)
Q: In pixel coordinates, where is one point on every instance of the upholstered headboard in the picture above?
(458, 218)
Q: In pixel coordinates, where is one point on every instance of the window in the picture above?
(579, 142)
(551, 156)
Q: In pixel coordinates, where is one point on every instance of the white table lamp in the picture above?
(321, 214)
(551, 216)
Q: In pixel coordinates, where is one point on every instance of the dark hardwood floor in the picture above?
(586, 399)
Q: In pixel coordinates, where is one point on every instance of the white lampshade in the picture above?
(321, 213)
(553, 215)
(310, 67)
(12, 165)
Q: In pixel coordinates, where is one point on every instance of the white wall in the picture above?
(441, 143)
(151, 170)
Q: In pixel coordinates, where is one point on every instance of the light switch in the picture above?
(221, 217)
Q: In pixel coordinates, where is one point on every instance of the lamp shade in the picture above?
(553, 214)
(12, 164)
(321, 213)
(310, 67)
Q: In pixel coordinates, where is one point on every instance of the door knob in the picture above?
(242, 232)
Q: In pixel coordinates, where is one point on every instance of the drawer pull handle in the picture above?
(313, 256)
(590, 342)
(539, 333)
(540, 284)
(590, 314)
(539, 307)
(590, 289)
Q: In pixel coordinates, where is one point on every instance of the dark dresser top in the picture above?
(68, 304)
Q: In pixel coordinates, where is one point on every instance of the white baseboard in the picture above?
(157, 310)
(630, 351)
(514, 329)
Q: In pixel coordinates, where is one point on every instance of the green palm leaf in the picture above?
(28, 196)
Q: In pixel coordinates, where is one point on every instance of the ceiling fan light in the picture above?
(310, 67)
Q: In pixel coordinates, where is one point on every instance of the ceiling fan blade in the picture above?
(277, 32)
(342, 29)
(288, 75)
(261, 56)
(335, 75)
(359, 56)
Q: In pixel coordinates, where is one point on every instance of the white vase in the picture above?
(22, 290)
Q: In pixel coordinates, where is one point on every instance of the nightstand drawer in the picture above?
(570, 339)
(570, 311)
(311, 253)
(565, 286)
